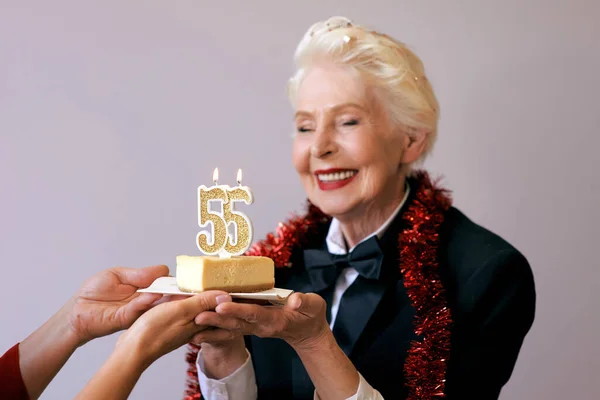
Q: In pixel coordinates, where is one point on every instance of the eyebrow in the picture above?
(332, 109)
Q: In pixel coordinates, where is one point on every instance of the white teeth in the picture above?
(337, 176)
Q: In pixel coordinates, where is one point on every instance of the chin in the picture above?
(334, 207)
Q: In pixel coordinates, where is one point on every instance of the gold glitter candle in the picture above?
(215, 219)
(223, 243)
(243, 224)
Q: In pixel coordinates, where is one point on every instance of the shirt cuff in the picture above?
(240, 385)
(364, 392)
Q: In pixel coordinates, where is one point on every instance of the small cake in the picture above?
(237, 274)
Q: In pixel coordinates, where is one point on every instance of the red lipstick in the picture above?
(334, 178)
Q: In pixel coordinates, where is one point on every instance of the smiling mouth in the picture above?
(331, 179)
(336, 176)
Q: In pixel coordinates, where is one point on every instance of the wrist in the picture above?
(222, 360)
(135, 358)
(131, 351)
(224, 350)
(330, 370)
(53, 343)
(321, 340)
(73, 323)
(66, 332)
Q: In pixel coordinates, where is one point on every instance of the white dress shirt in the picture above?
(241, 384)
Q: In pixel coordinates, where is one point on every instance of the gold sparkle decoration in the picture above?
(207, 217)
(243, 225)
(223, 243)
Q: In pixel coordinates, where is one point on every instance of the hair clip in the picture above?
(347, 38)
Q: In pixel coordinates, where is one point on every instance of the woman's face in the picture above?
(345, 150)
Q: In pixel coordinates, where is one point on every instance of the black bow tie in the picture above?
(324, 267)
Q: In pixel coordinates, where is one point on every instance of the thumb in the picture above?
(140, 277)
(131, 311)
(306, 303)
(201, 302)
(144, 302)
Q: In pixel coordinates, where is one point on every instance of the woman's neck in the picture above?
(370, 218)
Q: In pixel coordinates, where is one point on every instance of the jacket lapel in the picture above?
(357, 306)
(362, 298)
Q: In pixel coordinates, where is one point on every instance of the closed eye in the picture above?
(351, 122)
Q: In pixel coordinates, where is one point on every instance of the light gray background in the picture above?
(113, 112)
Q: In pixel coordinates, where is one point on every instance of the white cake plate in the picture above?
(168, 285)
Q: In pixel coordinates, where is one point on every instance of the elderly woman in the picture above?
(398, 294)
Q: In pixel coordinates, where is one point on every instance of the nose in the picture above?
(323, 143)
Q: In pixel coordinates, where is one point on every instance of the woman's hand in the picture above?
(105, 303)
(303, 325)
(109, 302)
(301, 322)
(222, 355)
(158, 331)
(170, 325)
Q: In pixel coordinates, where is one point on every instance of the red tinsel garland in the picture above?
(425, 365)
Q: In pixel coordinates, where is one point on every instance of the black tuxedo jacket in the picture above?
(491, 294)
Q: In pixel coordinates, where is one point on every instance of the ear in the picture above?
(414, 143)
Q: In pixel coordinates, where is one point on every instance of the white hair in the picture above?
(387, 65)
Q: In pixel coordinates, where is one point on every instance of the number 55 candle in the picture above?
(223, 267)
(223, 243)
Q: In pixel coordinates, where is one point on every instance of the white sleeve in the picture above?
(364, 392)
(240, 385)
